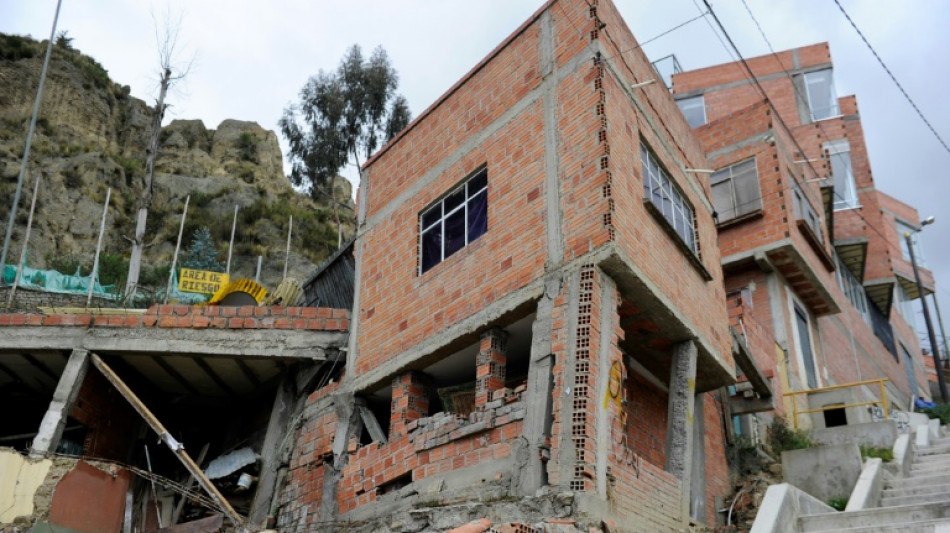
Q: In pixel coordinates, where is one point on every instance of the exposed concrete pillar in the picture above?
(410, 401)
(54, 421)
(490, 365)
(280, 415)
(538, 401)
(679, 431)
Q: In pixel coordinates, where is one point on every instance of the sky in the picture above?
(251, 58)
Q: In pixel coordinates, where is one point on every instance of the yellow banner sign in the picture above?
(203, 281)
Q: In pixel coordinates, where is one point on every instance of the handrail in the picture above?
(882, 401)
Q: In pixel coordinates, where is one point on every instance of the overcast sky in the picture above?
(253, 57)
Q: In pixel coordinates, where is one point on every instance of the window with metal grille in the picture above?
(735, 190)
(660, 189)
(453, 222)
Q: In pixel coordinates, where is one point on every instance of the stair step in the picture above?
(939, 463)
(924, 526)
(916, 490)
(921, 479)
(932, 450)
(877, 517)
(892, 501)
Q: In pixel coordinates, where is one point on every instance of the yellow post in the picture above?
(884, 399)
(795, 409)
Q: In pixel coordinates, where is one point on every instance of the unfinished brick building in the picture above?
(539, 308)
(811, 249)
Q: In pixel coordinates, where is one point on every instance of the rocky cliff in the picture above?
(91, 136)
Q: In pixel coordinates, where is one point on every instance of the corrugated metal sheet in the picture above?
(333, 283)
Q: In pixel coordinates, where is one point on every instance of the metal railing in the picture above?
(882, 401)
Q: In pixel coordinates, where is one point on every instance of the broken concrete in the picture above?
(54, 421)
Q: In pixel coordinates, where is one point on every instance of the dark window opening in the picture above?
(454, 222)
(835, 417)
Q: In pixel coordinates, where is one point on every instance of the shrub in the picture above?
(884, 454)
(14, 47)
(839, 504)
(247, 147)
(940, 411)
(783, 438)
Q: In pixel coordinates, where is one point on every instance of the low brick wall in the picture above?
(197, 317)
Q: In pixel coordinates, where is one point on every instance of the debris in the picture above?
(230, 462)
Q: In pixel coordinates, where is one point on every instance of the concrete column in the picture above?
(490, 365)
(679, 431)
(280, 415)
(536, 428)
(410, 401)
(54, 421)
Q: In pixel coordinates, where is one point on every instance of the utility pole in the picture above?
(934, 348)
(29, 142)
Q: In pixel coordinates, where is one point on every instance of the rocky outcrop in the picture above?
(91, 135)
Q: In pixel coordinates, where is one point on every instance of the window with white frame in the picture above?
(735, 190)
(914, 239)
(660, 189)
(694, 109)
(453, 222)
(905, 305)
(852, 288)
(805, 211)
(822, 98)
(846, 194)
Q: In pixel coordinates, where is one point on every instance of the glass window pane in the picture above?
(432, 216)
(748, 198)
(454, 200)
(454, 232)
(477, 183)
(694, 109)
(431, 247)
(821, 94)
(722, 200)
(477, 216)
(845, 193)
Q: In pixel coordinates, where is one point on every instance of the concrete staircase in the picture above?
(919, 503)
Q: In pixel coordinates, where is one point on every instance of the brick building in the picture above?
(812, 251)
(539, 311)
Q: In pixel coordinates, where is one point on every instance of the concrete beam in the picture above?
(680, 412)
(54, 421)
(265, 343)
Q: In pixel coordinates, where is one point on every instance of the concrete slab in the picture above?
(782, 506)
(881, 434)
(826, 472)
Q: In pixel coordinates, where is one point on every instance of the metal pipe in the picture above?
(934, 349)
(26, 242)
(171, 273)
(231, 244)
(95, 262)
(29, 142)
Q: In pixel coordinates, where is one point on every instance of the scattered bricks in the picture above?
(500, 393)
(153, 310)
(476, 526)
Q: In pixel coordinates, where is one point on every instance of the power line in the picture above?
(893, 78)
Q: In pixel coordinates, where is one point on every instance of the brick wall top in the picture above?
(764, 65)
(194, 317)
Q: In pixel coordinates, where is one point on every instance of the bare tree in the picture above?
(166, 37)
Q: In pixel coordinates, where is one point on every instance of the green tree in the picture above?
(201, 253)
(343, 116)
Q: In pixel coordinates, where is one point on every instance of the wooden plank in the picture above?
(175, 446)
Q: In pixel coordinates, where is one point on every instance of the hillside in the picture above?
(91, 135)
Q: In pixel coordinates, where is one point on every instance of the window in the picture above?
(454, 221)
(909, 369)
(852, 288)
(669, 201)
(735, 190)
(846, 195)
(694, 109)
(822, 99)
(905, 305)
(914, 239)
(804, 210)
(804, 346)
